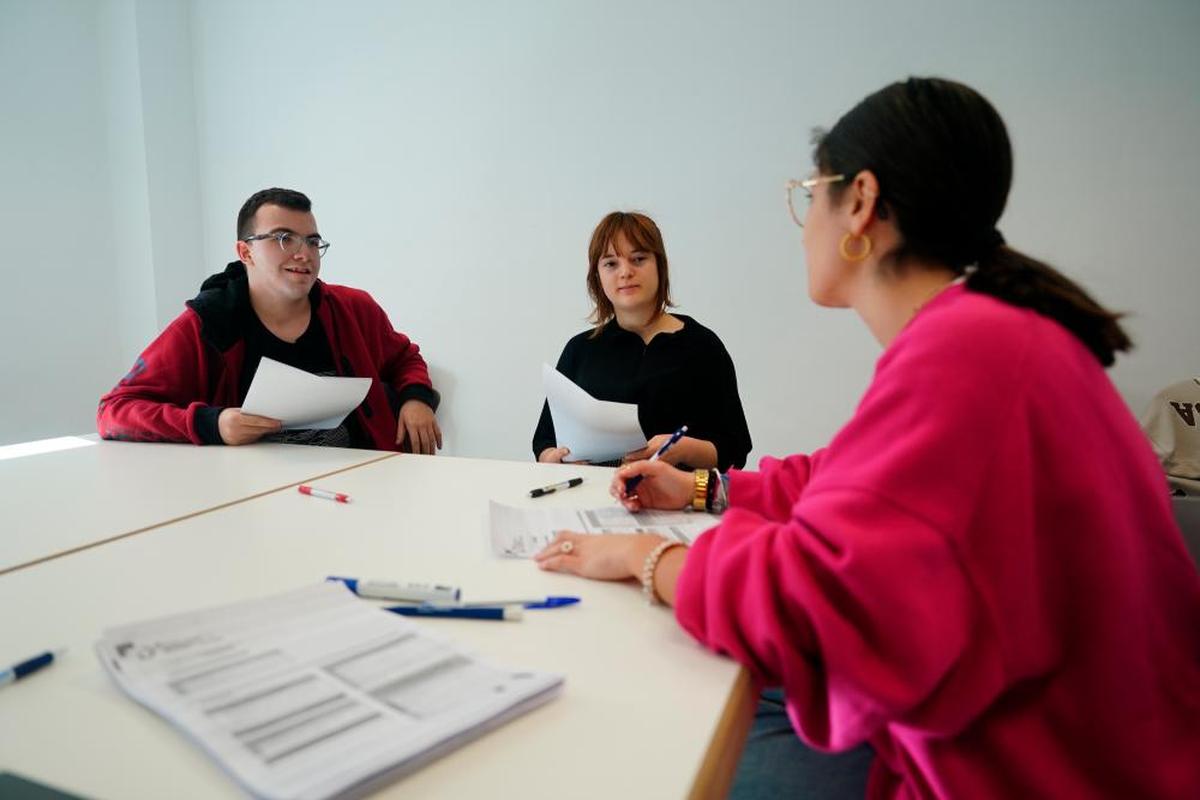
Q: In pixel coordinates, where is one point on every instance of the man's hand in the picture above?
(417, 430)
(238, 428)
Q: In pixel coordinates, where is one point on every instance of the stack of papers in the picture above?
(315, 693)
(521, 532)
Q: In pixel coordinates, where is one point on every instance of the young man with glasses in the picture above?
(190, 382)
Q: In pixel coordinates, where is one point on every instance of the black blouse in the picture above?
(680, 378)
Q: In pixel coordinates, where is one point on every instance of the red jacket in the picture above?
(980, 575)
(193, 368)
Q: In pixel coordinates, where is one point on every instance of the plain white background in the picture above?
(459, 155)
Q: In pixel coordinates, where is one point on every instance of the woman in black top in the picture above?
(674, 369)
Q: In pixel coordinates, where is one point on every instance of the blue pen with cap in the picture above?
(631, 483)
(484, 609)
(394, 590)
(553, 601)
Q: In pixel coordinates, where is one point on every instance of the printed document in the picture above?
(593, 430)
(300, 399)
(315, 693)
(521, 532)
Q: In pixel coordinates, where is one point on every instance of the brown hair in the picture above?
(942, 156)
(642, 234)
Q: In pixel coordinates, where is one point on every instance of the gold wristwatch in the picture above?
(700, 490)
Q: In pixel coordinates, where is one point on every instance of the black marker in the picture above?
(554, 487)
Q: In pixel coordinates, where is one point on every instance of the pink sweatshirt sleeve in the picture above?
(772, 490)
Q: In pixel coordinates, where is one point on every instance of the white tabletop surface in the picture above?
(639, 707)
(55, 502)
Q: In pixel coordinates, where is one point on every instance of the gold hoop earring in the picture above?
(846, 254)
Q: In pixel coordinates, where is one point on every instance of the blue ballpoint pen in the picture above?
(495, 613)
(549, 602)
(552, 601)
(27, 667)
(632, 483)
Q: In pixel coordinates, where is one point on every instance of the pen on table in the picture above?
(632, 483)
(526, 602)
(494, 613)
(328, 495)
(554, 487)
(27, 667)
(394, 590)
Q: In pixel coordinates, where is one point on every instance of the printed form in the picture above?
(521, 532)
(314, 693)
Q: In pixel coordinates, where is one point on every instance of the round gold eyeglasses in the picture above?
(806, 186)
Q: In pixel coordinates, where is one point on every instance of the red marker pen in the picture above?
(338, 496)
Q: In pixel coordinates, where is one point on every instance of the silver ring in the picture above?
(566, 547)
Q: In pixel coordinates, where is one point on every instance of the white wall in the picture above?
(459, 155)
(99, 198)
(58, 326)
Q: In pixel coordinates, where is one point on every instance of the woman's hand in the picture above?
(661, 486)
(699, 453)
(553, 455)
(611, 557)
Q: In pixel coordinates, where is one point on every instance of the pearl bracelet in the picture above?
(651, 564)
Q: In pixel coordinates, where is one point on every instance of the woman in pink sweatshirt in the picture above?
(979, 576)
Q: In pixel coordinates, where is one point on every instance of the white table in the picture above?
(645, 711)
(55, 503)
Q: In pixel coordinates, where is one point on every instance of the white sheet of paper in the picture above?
(300, 399)
(314, 693)
(593, 430)
(521, 532)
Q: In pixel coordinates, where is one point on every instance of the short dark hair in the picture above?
(641, 232)
(943, 160)
(288, 198)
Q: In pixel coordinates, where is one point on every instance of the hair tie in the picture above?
(989, 243)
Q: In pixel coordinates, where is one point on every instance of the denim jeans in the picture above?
(776, 764)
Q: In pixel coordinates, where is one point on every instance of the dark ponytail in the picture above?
(943, 160)
(1023, 281)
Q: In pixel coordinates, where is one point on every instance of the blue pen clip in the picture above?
(554, 602)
